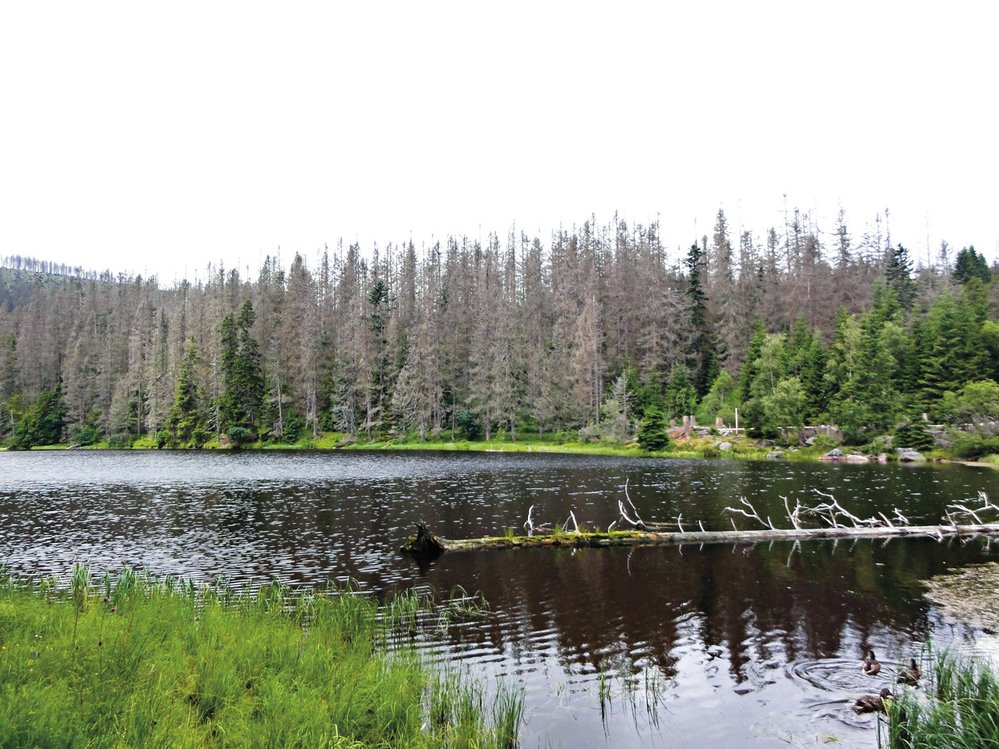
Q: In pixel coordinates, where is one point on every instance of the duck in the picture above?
(910, 674)
(870, 664)
(870, 703)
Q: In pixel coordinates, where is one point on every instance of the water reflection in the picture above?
(620, 647)
(747, 604)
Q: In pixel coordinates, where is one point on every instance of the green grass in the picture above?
(505, 445)
(956, 707)
(133, 662)
(698, 447)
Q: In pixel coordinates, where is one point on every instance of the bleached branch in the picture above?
(968, 512)
(793, 515)
(575, 525)
(638, 523)
(752, 515)
(529, 523)
(835, 509)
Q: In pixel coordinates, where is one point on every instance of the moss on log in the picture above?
(597, 539)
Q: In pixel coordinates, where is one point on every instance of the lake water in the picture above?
(646, 647)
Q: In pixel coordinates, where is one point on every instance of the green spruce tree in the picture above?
(703, 356)
(241, 403)
(969, 264)
(898, 272)
(43, 423)
(680, 398)
(186, 422)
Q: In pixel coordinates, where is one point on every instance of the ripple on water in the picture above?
(702, 630)
(840, 681)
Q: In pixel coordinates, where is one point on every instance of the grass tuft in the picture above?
(131, 661)
(957, 707)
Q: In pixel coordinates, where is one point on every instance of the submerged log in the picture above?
(652, 538)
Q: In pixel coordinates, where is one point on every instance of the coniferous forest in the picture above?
(599, 332)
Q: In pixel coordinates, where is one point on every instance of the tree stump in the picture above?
(424, 544)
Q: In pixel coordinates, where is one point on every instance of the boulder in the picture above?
(909, 455)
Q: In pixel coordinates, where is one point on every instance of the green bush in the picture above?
(883, 443)
(972, 447)
(85, 435)
(824, 443)
(240, 436)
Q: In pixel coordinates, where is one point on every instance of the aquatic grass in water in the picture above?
(956, 708)
(136, 662)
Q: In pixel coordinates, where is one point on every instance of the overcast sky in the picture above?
(157, 138)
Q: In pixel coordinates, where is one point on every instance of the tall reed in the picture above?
(957, 707)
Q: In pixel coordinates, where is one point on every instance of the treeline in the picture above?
(599, 332)
(34, 265)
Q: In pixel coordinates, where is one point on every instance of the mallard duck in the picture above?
(870, 703)
(870, 664)
(910, 674)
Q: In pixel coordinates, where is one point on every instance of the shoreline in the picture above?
(694, 448)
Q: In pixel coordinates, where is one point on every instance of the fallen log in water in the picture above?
(652, 538)
(961, 520)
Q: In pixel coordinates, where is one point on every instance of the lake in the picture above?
(644, 647)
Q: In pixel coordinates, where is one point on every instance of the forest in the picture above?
(598, 334)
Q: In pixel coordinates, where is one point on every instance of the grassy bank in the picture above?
(557, 443)
(706, 446)
(956, 708)
(134, 662)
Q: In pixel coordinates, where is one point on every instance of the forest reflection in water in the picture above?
(770, 635)
(693, 646)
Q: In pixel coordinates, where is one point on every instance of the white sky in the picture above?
(158, 137)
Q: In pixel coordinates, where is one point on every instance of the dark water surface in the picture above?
(688, 647)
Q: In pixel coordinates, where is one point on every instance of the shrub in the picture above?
(85, 435)
(824, 443)
(240, 436)
(972, 447)
(883, 443)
